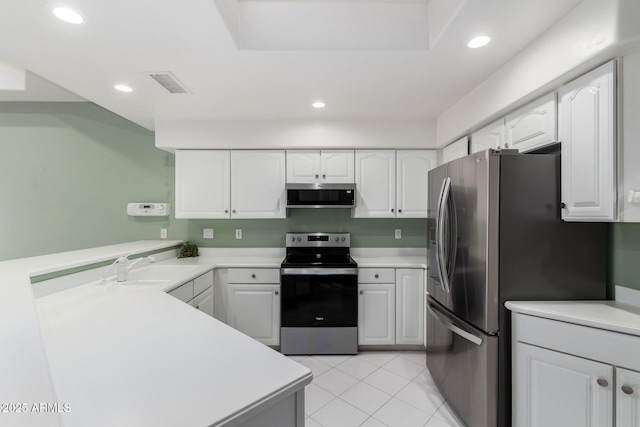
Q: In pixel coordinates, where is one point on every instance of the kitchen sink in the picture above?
(159, 273)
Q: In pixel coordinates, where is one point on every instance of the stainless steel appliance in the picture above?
(319, 295)
(495, 234)
(321, 195)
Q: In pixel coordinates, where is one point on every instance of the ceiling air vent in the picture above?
(169, 82)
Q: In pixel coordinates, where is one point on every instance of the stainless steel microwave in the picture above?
(321, 195)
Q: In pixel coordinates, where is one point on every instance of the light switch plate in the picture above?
(238, 233)
(398, 233)
(207, 233)
(163, 233)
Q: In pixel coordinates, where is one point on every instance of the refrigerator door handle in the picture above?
(445, 191)
(435, 312)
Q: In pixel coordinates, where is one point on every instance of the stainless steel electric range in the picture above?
(319, 295)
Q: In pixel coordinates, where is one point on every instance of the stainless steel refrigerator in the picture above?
(494, 235)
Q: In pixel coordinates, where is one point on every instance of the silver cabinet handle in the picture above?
(627, 389)
(361, 292)
(277, 293)
(602, 382)
(376, 275)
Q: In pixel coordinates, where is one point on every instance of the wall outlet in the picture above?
(238, 233)
(207, 233)
(163, 233)
(398, 233)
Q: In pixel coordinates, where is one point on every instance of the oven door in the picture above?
(319, 297)
(463, 362)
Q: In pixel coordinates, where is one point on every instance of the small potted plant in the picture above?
(188, 250)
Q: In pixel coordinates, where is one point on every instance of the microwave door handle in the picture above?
(453, 328)
(441, 248)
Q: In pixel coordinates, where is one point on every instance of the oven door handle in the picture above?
(435, 312)
(318, 271)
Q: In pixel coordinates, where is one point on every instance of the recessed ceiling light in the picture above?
(123, 88)
(479, 41)
(68, 15)
(318, 104)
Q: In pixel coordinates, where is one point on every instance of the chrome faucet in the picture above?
(124, 266)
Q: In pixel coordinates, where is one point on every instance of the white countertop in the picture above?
(609, 315)
(129, 355)
(391, 261)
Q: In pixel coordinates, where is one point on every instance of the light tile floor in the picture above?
(373, 389)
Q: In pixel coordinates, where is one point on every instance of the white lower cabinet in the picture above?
(573, 375)
(391, 306)
(409, 306)
(376, 314)
(557, 389)
(254, 306)
(255, 311)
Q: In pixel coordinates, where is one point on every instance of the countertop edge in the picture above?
(608, 315)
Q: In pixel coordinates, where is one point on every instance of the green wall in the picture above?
(270, 232)
(624, 251)
(67, 171)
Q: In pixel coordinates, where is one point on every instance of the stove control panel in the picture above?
(318, 240)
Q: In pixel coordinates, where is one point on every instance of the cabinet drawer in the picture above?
(254, 275)
(203, 282)
(184, 292)
(376, 275)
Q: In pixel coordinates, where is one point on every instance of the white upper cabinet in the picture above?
(491, 136)
(455, 150)
(313, 166)
(202, 184)
(412, 172)
(258, 184)
(532, 126)
(587, 130)
(375, 184)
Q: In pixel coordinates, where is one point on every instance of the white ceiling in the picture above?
(373, 63)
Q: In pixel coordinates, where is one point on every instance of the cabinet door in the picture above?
(257, 184)
(202, 184)
(455, 150)
(375, 184)
(627, 398)
(409, 306)
(376, 314)
(532, 126)
(337, 166)
(303, 166)
(491, 136)
(586, 123)
(412, 185)
(557, 389)
(204, 302)
(255, 311)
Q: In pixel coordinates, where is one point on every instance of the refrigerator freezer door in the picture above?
(463, 238)
(463, 363)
